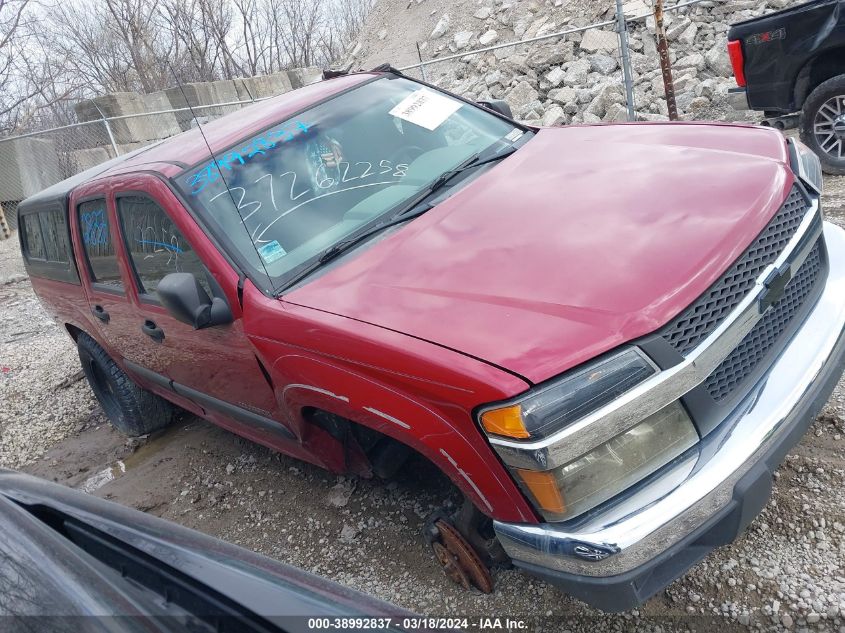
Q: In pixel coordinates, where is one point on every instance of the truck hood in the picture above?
(583, 239)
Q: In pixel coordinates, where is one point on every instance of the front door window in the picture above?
(155, 246)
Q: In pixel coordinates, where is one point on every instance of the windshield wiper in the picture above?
(406, 212)
(443, 179)
(334, 251)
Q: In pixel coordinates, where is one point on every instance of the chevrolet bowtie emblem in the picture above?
(775, 285)
(594, 552)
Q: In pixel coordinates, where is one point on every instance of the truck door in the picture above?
(105, 279)
(217, 366)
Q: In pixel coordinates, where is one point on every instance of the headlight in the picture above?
(610, 468)
(807, 166)
(577, 394)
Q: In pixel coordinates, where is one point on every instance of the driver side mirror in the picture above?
(186, 300)
(498, 105)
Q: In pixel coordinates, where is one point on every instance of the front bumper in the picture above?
(619, 556)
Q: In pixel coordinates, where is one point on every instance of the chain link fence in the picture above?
(608, 71)
(31, 162)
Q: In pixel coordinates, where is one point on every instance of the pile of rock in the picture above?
(577, 77)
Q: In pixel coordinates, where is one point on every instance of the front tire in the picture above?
(132, 410)
(822, 124)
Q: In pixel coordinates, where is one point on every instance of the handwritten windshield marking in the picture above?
(368, 171)
(365, 174)
(323, 195)
(272, 195)
(210, 173)
(292, 185)
(253, 207)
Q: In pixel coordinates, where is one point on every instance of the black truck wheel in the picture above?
(132, 410)
(823, 124)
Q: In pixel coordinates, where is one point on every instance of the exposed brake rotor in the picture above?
(459, 560)
(450, 565)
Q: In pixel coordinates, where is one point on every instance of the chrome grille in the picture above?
(757, 343)
(702, 317)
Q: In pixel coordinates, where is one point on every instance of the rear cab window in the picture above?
(98, 244)
(45, 243)
(33, 240)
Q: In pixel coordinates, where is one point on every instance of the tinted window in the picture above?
(33, 240)
(54, 231)
(45, 236)
(46, 245)
(98, 243)
(156, 247)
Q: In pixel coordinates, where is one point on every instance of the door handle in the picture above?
(100, 312)
(153, 331)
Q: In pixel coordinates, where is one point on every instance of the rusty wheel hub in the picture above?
(459, 560)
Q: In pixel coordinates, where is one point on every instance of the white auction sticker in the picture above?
(425, 108)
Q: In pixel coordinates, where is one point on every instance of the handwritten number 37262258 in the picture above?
(353, 173)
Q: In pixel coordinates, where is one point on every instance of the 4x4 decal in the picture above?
(768, 36)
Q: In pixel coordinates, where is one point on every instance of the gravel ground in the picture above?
(43, 400)
(786, 572)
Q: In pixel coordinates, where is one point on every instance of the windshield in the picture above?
(336, 169)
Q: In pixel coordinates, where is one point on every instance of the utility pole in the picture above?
(624, 53)
(422, 66)
(665, 64)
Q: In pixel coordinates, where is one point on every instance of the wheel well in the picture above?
(385, 454)
(818, 70)
(73, 331)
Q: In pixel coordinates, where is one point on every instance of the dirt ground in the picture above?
(787, 570)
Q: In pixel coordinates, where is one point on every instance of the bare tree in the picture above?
(31, 84)
(193, 52)
(56, 52)
(133, 27)
(15, 89)
(252, 41)
(304, 19)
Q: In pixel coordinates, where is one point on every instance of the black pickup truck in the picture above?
(794, 60)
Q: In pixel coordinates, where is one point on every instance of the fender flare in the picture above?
(453, 447)
(801, 86)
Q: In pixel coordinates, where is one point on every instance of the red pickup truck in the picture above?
(606, 336)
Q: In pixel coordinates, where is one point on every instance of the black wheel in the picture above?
(133, 411)
(823, 124)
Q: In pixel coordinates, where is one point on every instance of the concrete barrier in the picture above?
(27, 165)
(263, 86)
(300, 77)
(82, 159)
(201, 94)
(134, 129)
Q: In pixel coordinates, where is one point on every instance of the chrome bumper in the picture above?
(673, 506)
